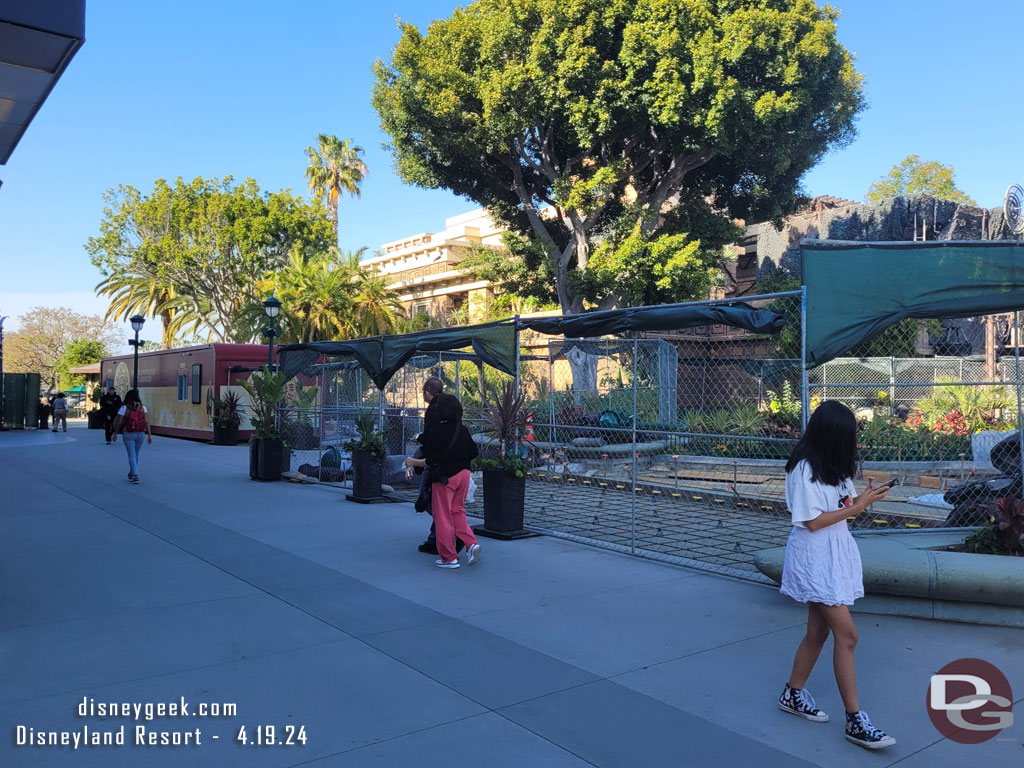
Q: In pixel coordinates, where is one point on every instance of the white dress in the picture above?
(821, 566)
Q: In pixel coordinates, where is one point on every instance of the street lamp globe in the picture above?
(137, 322)
(271, 306)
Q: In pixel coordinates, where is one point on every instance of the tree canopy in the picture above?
(46, 336)
(78, 352)
(620, 136)
(194, 251)
(914, 176)
(326, 296)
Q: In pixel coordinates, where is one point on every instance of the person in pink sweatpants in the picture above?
(448, 450)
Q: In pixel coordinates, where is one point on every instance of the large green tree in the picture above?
(621, 136)
(335, 166)
(914, 176)
(79, 352)
(198, 248)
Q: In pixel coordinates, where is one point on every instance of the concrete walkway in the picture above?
(305, 610)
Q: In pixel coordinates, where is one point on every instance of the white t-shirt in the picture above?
(124, 409)
(807, 499)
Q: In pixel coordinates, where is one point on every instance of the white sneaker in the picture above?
(473, 555)
(443, 564)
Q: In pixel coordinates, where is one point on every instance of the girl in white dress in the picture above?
(822, 566)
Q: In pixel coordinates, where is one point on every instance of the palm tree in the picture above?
(141, 295)
(377, 307)
(334, 167)
(316, 294)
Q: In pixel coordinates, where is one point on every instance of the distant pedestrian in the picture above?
(45, 409)
(822, 565)
(110, 404)
(133, 416)
(60, 411)
(448, 449)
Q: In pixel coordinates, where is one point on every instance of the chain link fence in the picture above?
(673, 446)
(938, 404)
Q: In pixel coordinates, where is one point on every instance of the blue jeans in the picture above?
(133, 444)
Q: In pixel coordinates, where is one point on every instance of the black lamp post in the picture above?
(272, 307)
(137, 322)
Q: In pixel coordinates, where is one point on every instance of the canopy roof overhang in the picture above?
(37, 42)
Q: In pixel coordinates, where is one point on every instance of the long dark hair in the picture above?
(828, 445)
(132, 399)
(448, 408)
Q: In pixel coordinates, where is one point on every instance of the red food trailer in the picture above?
(177, 385)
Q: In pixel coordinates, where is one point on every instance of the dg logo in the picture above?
(970, 701)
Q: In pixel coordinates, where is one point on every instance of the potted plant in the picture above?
(505, 474)
(226, 417)
(95, 416)
(266, 447)
(367, 450)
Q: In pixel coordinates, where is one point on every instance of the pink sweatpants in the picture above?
(448, 505)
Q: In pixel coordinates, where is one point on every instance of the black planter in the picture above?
(225, 435)
(367, 472)
(504, 500)
(95, 419)
(265, 459)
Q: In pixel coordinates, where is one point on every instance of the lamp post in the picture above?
(272, 307)
(2, 393)
(137, 322)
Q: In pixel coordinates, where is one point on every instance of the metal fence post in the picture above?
(515, 320)
(805, 394)
(552, 437)
(892, 385)
(1016, 360)
(632, 516)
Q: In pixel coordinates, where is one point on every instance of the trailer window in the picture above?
(182, 388)
(197, 383)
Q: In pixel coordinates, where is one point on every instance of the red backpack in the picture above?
(135, 420)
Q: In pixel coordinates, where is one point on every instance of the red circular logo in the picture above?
(970, 701)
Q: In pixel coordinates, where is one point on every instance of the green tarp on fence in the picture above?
(383, 356)
(658, 318)
(857, 290)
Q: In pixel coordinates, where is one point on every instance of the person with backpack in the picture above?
(133, 416)
(60, 411)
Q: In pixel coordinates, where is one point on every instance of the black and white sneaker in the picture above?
(860, 731)
(799, 702)
(135, 479)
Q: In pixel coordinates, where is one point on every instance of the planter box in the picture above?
(265, 459)
(225, 435)
(367, 473)
(504, 500)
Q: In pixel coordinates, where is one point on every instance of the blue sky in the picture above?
(229, 87)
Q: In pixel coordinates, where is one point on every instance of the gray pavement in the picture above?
(303, 609)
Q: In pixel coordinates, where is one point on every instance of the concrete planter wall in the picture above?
(923, 580)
